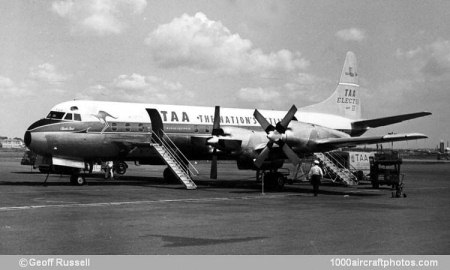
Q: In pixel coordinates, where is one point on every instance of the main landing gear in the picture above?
(169, 176)
(77, 179)
(273, 180)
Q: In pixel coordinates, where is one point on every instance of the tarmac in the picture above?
(141, 214)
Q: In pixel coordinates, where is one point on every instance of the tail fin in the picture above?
(345, 100)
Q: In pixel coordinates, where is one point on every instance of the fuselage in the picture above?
(92, 130)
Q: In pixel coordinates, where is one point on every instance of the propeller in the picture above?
(216, 132)
(276, 135)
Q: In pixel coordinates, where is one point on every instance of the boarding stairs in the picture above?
(336, 170)
(175, 159)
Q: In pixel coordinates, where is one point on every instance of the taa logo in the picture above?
(350, 92)
(351, 73)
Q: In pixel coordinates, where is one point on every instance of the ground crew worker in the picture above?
(315, 175)
(109, 170)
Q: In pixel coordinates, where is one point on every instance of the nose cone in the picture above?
(36, 140)
(27, 138)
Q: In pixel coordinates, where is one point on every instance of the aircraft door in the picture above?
(157, 124)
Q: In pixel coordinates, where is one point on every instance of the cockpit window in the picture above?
(68, 116)
(55, 115)
(77, 117)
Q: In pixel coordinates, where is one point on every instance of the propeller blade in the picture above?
(263, 156)
(283, 124)
(292, 156)
(213, 174)
(216, 125)
(263, 122)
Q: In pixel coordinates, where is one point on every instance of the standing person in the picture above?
(315, 175)
(109, 170)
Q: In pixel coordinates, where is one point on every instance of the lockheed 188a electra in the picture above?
(80, 132)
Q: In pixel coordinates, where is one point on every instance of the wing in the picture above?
(354, 141)
(384, 121)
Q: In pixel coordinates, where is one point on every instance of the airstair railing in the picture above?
(339, 162)
(175, 153)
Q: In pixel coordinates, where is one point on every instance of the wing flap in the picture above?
(385, 121)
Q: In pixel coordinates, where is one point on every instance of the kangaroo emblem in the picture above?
(101, 116)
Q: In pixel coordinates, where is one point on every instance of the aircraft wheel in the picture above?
(280, 182)
(121, 168)
(274, 181)
(169, 176)
(78, 180)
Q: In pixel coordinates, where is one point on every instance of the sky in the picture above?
(244, 54)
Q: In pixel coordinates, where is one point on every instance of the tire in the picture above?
(121, 168)
(279, 186)
(274, 181)
(78, 180)
(169, 176)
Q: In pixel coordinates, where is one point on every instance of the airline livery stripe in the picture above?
(349, 84)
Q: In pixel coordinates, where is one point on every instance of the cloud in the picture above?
(431, 61)
(408, 54)
(136, 82)
(102, 17)
(351, 34)
(438, 63)
(132, 82)
(258, 94)
(139, 88)
(201, 44)
(47, 73)
(9, 88)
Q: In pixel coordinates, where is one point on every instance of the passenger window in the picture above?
(68, 116)
(77, 117)
(127, 127)
(114, 126)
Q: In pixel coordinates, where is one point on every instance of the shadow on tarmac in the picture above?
(176, 241)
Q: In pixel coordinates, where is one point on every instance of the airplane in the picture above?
(80, 132)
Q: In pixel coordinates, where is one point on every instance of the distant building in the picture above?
(12, 143)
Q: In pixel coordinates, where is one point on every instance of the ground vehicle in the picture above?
(385, 169)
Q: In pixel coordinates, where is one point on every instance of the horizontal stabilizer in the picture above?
(354, 141)
(384, 121)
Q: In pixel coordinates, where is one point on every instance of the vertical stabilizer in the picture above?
(349, 72)
(345, 100)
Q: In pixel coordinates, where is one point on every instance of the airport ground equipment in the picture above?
(178, 165)
(335, 169)
(385, 169)
(443, 152)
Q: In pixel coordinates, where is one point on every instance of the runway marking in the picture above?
(29, 207)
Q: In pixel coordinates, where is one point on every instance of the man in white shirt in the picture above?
(315, 175)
